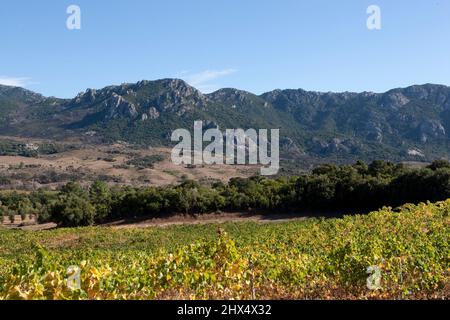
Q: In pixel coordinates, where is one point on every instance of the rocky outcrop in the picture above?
(336, 145)
(153, 113)
(431, 129)
(177, 95)
(394, 100)
(117, 106)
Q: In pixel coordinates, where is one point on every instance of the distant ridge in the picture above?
(402, 124)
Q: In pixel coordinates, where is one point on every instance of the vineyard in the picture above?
(310, 259)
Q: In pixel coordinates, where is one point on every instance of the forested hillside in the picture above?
(402, 124)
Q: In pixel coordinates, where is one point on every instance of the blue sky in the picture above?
(255, 45)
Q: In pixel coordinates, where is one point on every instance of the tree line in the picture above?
(327, 189)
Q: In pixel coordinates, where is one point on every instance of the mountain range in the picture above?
(404, 124)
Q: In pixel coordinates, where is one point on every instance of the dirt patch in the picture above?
(109, 163)
(216, 218)
(39, 227)
(62, 241)
(27, 224)
(177, 220)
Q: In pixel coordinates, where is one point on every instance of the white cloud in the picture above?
(14, 81)
(202, 80)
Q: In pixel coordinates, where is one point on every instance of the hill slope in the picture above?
(402, 124)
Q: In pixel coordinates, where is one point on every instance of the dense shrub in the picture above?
(73, 210)
(146, 162)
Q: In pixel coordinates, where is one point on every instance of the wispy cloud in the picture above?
(14, 81)
(202, 80)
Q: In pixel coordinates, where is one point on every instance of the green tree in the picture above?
(100, 197)
(73, 188)
(73, 211)
(3, 212)
(24, 208)
(439, 164)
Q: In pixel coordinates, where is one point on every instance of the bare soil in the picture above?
(214, 218)
(110, 162)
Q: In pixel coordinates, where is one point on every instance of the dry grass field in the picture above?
(111, 163)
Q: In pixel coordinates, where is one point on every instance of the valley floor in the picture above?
(117, 164)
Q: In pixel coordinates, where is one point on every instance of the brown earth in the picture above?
(109, 162)
(213, 218)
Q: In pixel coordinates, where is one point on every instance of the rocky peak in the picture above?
(431, 93)
(117, 106)
(169, 95)
(146, 99)
(20, 94)
(394, 99)
(235, 98)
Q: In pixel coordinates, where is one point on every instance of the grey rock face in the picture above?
(374, 132)
(117, 106)
(229, 94)
(236, 99)
(336, 145)
(290, 146)
(419, 92)
(431, 129)
(179, 96)
(153, 113)
(394, 100)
